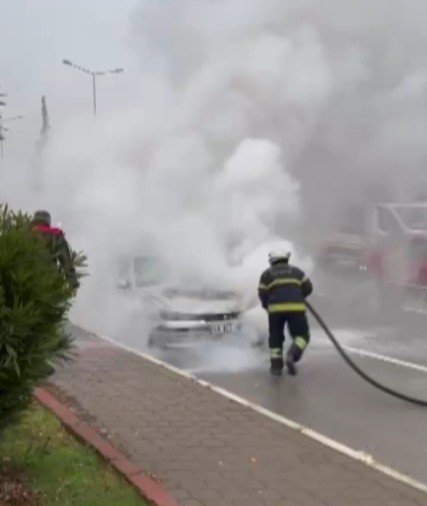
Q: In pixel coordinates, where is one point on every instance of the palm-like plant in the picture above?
(34, 303)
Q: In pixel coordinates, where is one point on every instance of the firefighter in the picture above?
(282, 291)
(57, 245)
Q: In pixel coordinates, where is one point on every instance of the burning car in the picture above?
(177, 314)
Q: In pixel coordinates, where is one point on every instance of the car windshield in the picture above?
(149, 270)
(414, 217)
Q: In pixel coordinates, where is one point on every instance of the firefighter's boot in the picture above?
(294, 355)
(290, 364)
(276, 370)
(276, 361)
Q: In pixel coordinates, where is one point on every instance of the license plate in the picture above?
(222, 328)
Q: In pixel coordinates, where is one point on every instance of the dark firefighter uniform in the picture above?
(57, 245)
(282, 291)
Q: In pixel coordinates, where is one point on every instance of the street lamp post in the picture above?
(94, 75)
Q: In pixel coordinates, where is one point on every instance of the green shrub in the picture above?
(34, 303)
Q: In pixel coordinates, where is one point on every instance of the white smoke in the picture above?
(195, 164)
(251, 115)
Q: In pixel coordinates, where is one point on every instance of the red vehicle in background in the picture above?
(387, 243)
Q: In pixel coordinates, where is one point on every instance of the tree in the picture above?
(35, 300)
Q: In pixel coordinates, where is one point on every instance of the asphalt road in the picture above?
(329, 397)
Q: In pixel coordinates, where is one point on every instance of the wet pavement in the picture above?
(329, 397)
(207, 449)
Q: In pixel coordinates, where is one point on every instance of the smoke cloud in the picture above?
(255, 121)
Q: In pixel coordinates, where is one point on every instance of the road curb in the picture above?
(146, 486)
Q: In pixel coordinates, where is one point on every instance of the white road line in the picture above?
(385, 358)
(360, 456)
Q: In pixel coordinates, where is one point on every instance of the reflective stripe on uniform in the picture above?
(261, 286)
(286, 307)
(276, 352)
(300, 343)
(284, 281)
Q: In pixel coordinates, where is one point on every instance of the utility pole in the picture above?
(94, 75)
(37, 161)
(44, 130)
(45, 118)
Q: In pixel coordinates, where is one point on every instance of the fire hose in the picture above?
(356, 368)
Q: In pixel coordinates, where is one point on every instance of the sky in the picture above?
(36, 35)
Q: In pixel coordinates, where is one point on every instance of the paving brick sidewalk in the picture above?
(209, 450)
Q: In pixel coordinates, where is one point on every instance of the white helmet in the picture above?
(275, 256)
